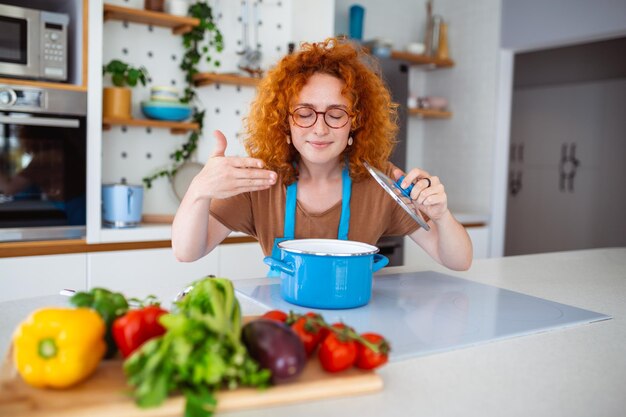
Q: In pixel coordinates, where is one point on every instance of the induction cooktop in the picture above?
(427, 312)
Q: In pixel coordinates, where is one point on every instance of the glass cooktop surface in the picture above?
(427, 312)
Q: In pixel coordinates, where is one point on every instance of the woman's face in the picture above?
(320, 143)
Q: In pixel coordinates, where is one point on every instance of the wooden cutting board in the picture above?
(105, 393)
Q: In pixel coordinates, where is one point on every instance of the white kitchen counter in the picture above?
(579, 371)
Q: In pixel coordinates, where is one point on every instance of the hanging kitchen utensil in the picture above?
(182, 178)
(401, 195)
(250, 57)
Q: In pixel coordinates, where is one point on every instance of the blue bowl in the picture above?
(166, 111)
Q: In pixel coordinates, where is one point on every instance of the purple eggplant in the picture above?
(275, 347)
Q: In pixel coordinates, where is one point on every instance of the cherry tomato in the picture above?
(366, 357)
(277, 315)
(336, 355)
(309, 332)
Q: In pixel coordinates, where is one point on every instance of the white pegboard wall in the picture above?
(131, 153)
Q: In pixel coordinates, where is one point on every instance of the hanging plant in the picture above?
(199, 43)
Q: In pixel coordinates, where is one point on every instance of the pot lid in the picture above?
(328, 247)
(401, 195)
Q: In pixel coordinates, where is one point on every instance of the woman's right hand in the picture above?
(226, 176)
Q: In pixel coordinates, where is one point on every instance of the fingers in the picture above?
(423, 189)
(432, 196)
(412, 177)
(240, 162)
(220, 144)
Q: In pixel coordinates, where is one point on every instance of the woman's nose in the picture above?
(320, 127)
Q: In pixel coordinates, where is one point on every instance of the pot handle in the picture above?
(280, 265)
(380, 261)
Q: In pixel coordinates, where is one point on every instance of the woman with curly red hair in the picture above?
(319, 115)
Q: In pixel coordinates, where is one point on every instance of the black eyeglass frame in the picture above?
(317, 113)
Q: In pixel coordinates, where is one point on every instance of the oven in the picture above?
(43, 166)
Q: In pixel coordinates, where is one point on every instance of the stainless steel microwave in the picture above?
(33, 43)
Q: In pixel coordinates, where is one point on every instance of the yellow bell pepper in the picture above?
(58, 347)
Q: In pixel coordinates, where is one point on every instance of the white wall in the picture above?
(538, 24)
(400, 21)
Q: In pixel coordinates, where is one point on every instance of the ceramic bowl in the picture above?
(164, 93)
(161, 110)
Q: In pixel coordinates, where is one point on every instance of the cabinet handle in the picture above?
(515, 182)
(567, 167)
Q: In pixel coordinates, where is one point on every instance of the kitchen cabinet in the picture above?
(139, 273)
(414, 256)
(242, 261)
(32, 276)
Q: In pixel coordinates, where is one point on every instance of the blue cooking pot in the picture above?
(327, 273)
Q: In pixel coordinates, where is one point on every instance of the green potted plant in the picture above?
(116, 102)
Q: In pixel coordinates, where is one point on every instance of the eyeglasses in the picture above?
(334, 118)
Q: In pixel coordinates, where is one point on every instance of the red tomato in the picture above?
(136, 327)
(277, 315)
(366, 357)
(309, 332)
(336, 355)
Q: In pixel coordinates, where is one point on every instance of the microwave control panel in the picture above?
(54, 46)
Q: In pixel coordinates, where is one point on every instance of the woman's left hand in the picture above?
(428, 193)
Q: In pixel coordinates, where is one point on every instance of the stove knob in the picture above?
(7, 97)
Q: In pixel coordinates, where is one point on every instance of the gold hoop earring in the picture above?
(350, 141)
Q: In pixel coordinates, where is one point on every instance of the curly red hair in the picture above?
(374, 124)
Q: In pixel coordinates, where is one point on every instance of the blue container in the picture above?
(122, 205)
(357, 16)
(162, 110)
(327, 273)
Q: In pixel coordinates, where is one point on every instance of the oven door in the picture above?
(19, 42)
(42, 176)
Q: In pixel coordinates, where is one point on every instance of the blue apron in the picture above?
(289, 231)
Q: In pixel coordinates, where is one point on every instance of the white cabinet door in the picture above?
(242, 261)
(32, 276)
(480, 241)
(139, 273)
(414, 256)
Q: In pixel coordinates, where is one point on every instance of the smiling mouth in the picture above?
(319, 144)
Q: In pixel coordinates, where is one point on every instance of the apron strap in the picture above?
(289, 230)
(346, 192)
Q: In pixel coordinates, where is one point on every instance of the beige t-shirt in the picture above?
(261, 214)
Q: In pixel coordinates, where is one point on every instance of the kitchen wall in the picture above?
(460, 149)
(537, 24)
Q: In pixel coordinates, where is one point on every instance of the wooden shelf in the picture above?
(43, 84)
(430, 114)
(175, 127)
(179, 24)
(422, 59)
(206, 78)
